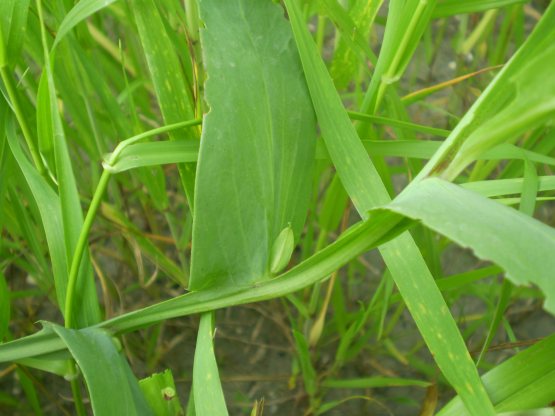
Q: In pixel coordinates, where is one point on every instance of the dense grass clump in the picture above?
(281, 207)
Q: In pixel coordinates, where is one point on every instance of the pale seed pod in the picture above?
(282, 249)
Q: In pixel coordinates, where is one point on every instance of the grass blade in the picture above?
(402, 256)
(209, 397)
(525, 381)
(448, 8)
(13, 22)
(160, 393)
(51, 215)
(518, 99)
(113, 388)
(87, 312)
(172, 91)
(82, 10)
(495, 232)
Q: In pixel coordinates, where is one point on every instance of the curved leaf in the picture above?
(80, 12)
(113, 388)
(521, 245)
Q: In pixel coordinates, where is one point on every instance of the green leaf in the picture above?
(172, 90)
(525, 381)
(55, 363)
(82, 10)
(154, 153)
(160, 392)
(13, 22)
(44, 117)
(51, 215)
(373, 382)
(406, 22)
(498, 187)
(207, 388)
(447, 8)
(307, 369)
(519, 98)
(113, 388)
(165, 152)
(257, 148)
(402, 256)
(81, 306)
(518, 243)
(347, 60)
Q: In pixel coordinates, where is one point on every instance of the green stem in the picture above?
(159, 130)
(76, 390)
(10, 89)
(95, 203)
(81, 244)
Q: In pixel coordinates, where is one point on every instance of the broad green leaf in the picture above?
(525, 381)
(518, 243)
(363, 184)
(207, 388)
(82, 10)
(257, 148)
(113, 388)
(172, 91)
(13, 22)
(160, 393)
(447, 8)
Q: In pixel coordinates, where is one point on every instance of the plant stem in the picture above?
(81, 244)
(93, 208)
(76, 390)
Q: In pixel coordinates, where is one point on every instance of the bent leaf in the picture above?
(113, 388)
(82, 10)
(521, 245)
